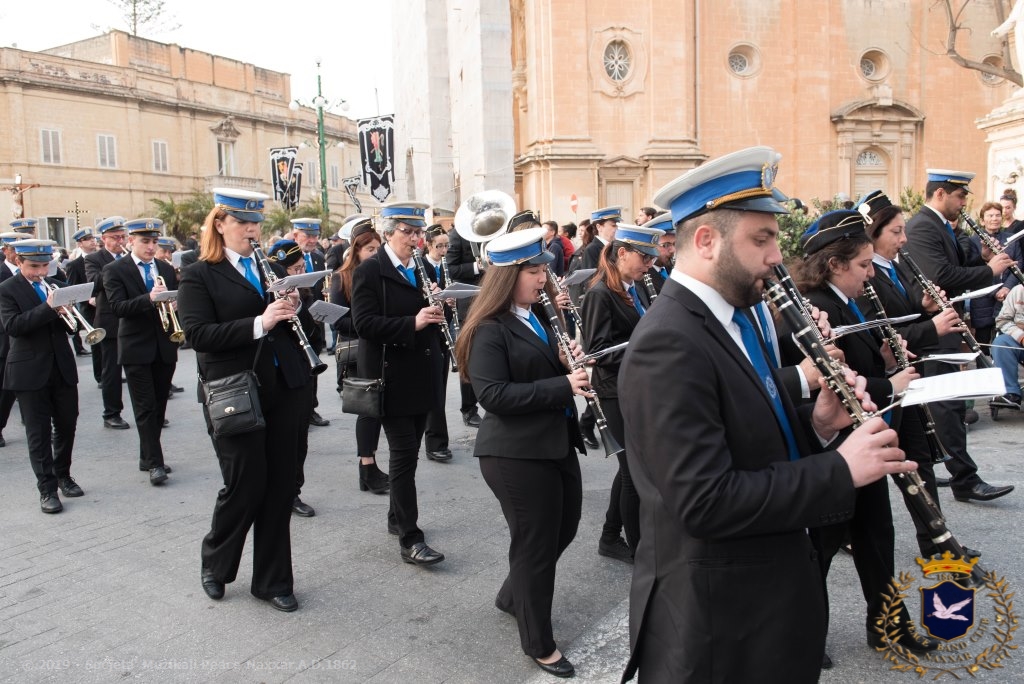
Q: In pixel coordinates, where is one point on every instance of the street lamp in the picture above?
(321, 103)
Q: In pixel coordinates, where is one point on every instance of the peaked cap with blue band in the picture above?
(110, 223)
(244, 205)
(82, 235)
(24, 226)
(832, 227)
(409, 213)
(961, 178)
(146, 227)
(35, 250)
(662, 221)
(167, 243)
(524, 246)
(605, 214)
(743, 180)
(9, 238)
(640, 238)
(310, 226)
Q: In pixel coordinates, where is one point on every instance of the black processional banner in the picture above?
(377, 154)
(285, 175)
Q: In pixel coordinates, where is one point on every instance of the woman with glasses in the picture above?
(400, 342)
(611, 310)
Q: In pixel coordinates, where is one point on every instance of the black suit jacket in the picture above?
(520, 382)
(140, 336)
(555, 247)
(607, 321)
(38, 338)
(724, 565)
(334, 256)
(216, 306)
(460, 258)
(920, 334)
(384, 308)
(94, 265)
(592, 253)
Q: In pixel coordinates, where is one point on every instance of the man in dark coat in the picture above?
(112, 235)
(86, 241)
(306, 235)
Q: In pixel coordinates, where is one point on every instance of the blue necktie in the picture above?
(148, 278)
(250, 274)
(309, 264)
(39, 291)
(760, 364)
(949, 229)
(896, 281)
(766, 334)
(636, 301)
(410, 274)
(856, 310)
(664, 273)
(537, 327)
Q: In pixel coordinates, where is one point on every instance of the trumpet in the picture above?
(326, 292)
(168, 317)
(74, 319)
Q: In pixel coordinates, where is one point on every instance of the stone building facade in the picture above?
(115, 121)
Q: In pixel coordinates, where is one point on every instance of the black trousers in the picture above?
(468, 398)
(302, 445)
(97, 362)
(436, 436)
(623, 502)
(915, 445)
(7, 397)
(952, 432)
(542, 501)
(367, 436)
(111, 379)
(51, 415)
(259, 484)
(404, 435)
(149, 385)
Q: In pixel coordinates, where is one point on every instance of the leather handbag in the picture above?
(363, 397)
(345, 352)
(233, 402)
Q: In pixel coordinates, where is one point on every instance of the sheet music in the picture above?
(296, 281)
(972, 384)
(66, 296)
(841, 330)
(578, 276)
(457, 293)
(976, 293)
(957, 359)
(176, 259)
(325, 312)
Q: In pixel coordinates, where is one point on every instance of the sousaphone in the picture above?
(484, 216)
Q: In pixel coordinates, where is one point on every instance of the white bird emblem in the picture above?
(944, 613)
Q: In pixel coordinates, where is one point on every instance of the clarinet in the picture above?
(417, 256)
(922, 505)
(611, 447)
(652, 294)
(992, 244)
(803, 305)
(943, 304)
(455, 308)
(573, 311)
(938, 453)
(316, 366)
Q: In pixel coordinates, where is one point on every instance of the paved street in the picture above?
(109, 589)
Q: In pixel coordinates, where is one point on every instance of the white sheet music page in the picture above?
(972, 384)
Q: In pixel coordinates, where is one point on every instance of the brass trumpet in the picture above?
(168, 317)
(74, 319)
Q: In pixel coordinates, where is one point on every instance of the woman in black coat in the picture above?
(612, 308)
(529, 436)
(224, 311)
(399, 340)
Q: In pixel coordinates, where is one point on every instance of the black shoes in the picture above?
(971, 417)
(421, 554)
(211, 586)
(560, 668)
(441, 456)
(175, 389)
(936, 551)
(373, 479)
(285, 604)
(942, 481)
(83, 352)
(589, 438)
(167, 469)
(69, 487)
(115, 423)
(917, 644)
(302, 509)
(981, 492)
(50, 503)
(157, 476)
(471, 418)
(318, 420)
(618, 549)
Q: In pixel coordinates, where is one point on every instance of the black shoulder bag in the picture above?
(233, 402)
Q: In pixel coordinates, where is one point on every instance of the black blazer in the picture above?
(384, 308)
(216, 307)
(334, 256)
(140, 336)
(38, 338)
(607, 321)
(592, 253)
(460, 258)
(920, 334)
(521, 385)
(942, 258)
(723, 512)
(555, 247)
(94, 265)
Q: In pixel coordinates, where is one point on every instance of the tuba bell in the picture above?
(484, 216)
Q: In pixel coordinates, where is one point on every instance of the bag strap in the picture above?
(259, 348)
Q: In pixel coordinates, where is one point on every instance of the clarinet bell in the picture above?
(611, 446)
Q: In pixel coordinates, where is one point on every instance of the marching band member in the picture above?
(435, 436)
(225, 315)
(725, 565)
(86, 242)
(613, 306)
(113, 237)
(144, 350)
(8, 269)
(41, 370)
(26, 227)
(396, 325)
(662, 266)
(510, 353)
(306, 233)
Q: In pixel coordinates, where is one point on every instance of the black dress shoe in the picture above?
(157, 476)
(167, 469)
(50, 503)
(589, 438)
(971, 417)
(116, 423)
(560, 668)
(167, 423)
(442, 456)
(69, 487)
(471, 419)
(981, 492)
(285, 604)
(917, 644)
(618, 549)
(300, 508)
(421, 554)
(176, 389)
(942, 481)
(213, 588)
(318, 420)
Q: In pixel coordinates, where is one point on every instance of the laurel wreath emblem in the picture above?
(904, 660)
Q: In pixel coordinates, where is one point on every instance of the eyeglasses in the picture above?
(119, 237)
(410, 232)
(647, 258)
